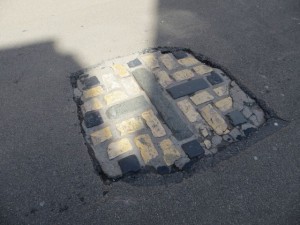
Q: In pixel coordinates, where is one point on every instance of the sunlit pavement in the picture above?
(46, 173)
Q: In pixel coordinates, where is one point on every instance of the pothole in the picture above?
(161, 111)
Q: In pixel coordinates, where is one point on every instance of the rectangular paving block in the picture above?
(92, 119)
(187, 88)
(91, 82)
(183, 75)
(202, 69)
(134, 63)
(146, 147)
(168, 111)
(100, 136)
(201, 97)
(150, 60)
(189, 61)
(214, 78)
(129, 164)
(169, 62)
(93, 92)
(180, 54)
(115, 96)
(214, 119)
(129, 106)
(236, 118)
(163, 78)
(188, 109)
(193, 149)
(119, 147)
(129, 126)
(154, 124)
(170, 151)
(120, 70)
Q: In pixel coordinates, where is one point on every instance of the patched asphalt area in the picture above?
(165, 110)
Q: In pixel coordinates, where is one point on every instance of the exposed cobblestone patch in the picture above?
(161, 111)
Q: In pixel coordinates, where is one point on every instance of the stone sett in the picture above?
(169, 62)
(224, 104)
(146, 147)
(163, 78)
(188, 109)
(187, 87)
(214, 119)
(121, 70)
(161, 110)
(202, 69)
(154, 124)
(129, 126)
(201, 97)
(170, 151)
(118, 148)
(101, 135)
(188, 61)
(150, 60)
(183, 75)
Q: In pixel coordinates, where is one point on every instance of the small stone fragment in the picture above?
(92, 104)
(204, 132)
(118, 148)
(93, 92)
(236, 118)
(130, 85)
(163, 78)
(222, 90)
(182, 162)
(120, 70)
(110, 82)
(259, 116)
(193, 149)
(188, 61)
(202, 69)
(216, 140)
(150, 60)
(169, 62)
(240, 99)
(201, 97)
(100, 136)
(92, 119)
(154, 124)
(224, 104)
(115, 96)
(248, 128)
(214, 119)
(170, 151)
(77, 94)
(227, 138)
(146, 147)
(213, 150)
(247, 112)
(129, 164)
(183, 75)
(207, 143)
(134, 63)
(129, 126)
(189, 111)
(214, 78)
(236, 134)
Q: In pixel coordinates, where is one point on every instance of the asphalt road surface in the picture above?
(46, 174)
